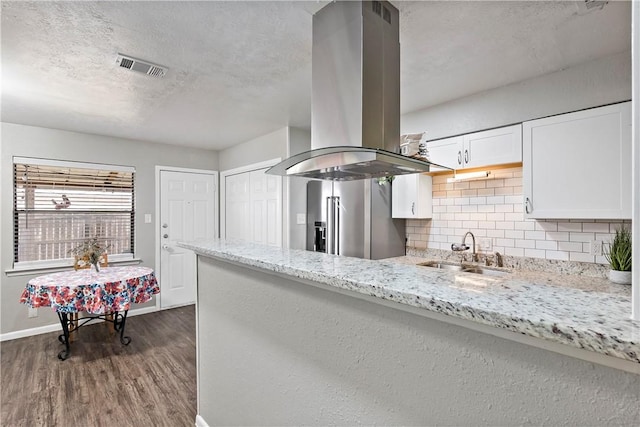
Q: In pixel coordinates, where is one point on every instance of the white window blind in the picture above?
(58, 205)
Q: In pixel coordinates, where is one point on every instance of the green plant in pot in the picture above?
(619, 257)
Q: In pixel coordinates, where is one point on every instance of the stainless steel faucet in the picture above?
(463, 246)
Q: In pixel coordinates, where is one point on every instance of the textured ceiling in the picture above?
(240, 69)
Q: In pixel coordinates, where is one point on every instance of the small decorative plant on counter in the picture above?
(385, 179)
(619, 257)
(90, 252)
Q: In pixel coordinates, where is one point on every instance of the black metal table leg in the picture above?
(64, 337)
(119, 322)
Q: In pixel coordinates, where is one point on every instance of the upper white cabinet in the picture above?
(411, 196)
(478, 149)
(578, 165)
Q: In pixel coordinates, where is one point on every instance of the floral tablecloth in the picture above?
(109, 290)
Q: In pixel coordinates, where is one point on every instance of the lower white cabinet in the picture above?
(578, 165)
(411, 196)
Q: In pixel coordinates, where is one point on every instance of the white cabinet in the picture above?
(578, 165)
(491, 147)
(411, 196)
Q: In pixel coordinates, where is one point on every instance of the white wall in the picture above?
(598, 82)
(273, 351)
(266, 147)
(30, 141)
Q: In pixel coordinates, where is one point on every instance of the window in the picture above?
(58, 205)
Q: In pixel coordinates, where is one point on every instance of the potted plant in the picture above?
(619, 257)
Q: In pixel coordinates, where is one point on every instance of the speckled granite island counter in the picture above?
(390, 342)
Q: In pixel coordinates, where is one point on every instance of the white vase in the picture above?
(620, 277)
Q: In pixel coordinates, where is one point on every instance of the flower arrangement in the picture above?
(91, 250)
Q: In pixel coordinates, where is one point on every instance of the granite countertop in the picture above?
(583, 312)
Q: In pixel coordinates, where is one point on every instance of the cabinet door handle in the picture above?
(459, 157)
(466, 156)
(528, 206)
(413, 208)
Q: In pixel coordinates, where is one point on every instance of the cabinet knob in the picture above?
(528, 206)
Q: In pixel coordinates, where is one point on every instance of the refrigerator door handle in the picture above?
(336, 224)
(329, 231)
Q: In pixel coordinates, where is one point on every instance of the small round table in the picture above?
(106, 294)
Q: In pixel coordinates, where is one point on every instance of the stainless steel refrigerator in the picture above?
(353, 218)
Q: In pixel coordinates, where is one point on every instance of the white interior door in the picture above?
(187, 212)
(253, 207)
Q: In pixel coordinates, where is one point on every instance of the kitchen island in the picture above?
(292, 337)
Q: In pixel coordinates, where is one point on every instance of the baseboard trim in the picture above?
(200, 422)
(56, 326)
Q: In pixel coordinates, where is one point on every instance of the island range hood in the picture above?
(355, 112)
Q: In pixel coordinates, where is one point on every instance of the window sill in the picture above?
(44, 270)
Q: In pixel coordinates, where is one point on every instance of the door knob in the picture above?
(165, 225)
(165, 236)
(165, 247)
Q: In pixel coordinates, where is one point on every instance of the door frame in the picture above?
(216, 211)
(248, 168)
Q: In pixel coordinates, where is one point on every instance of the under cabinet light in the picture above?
(468, 176)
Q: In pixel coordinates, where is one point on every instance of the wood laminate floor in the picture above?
(150, 382)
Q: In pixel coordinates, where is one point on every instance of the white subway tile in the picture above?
(546, 226)
(601, 260)
(498, 216)
(605, 237)
(504, 173)
(586, 247)
(478, 217)
(461, 201)
(480, 233)
(454, 193)
(514, 251)
(439, 179)
(505, 191)
(547, 244)
(469, 193)
(495, 183)
(495, 200)
(513, 182)
(595, 227)
(562, 256)
(505, 225)
(487, 225)
(518, 208)
(504, 208)
(477, 184)
(453, 209)
(470, 208)
(439, 194)
(525, 244)
(486, 208)
(558, 236)
(462, 216)
(616, 226)
(517, 190)
(535, 235)
(439, 208)
(454, 224)
(526, 225)
(516, 216)
(478, 200)
(507, 243)
(581, 257)
(581, 237)
(515, 200)
(570, 246)
(448, 216)
(464, 185)
(470, 224)
(534, 253)
(486, 192)
(497, 234)
(439, 223)
(446, 202)
(514, 234)
(569, 226)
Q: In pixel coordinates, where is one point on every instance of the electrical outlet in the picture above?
(596, 247)
(485, 245)
(33, 312)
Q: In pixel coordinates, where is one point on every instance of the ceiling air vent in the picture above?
(141, 66)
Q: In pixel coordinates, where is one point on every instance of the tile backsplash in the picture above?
(493, 211)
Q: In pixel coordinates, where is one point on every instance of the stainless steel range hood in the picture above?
(355, 113)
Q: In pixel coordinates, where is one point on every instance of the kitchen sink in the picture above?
(464, 268)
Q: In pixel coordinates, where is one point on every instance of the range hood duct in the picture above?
(355, 112)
